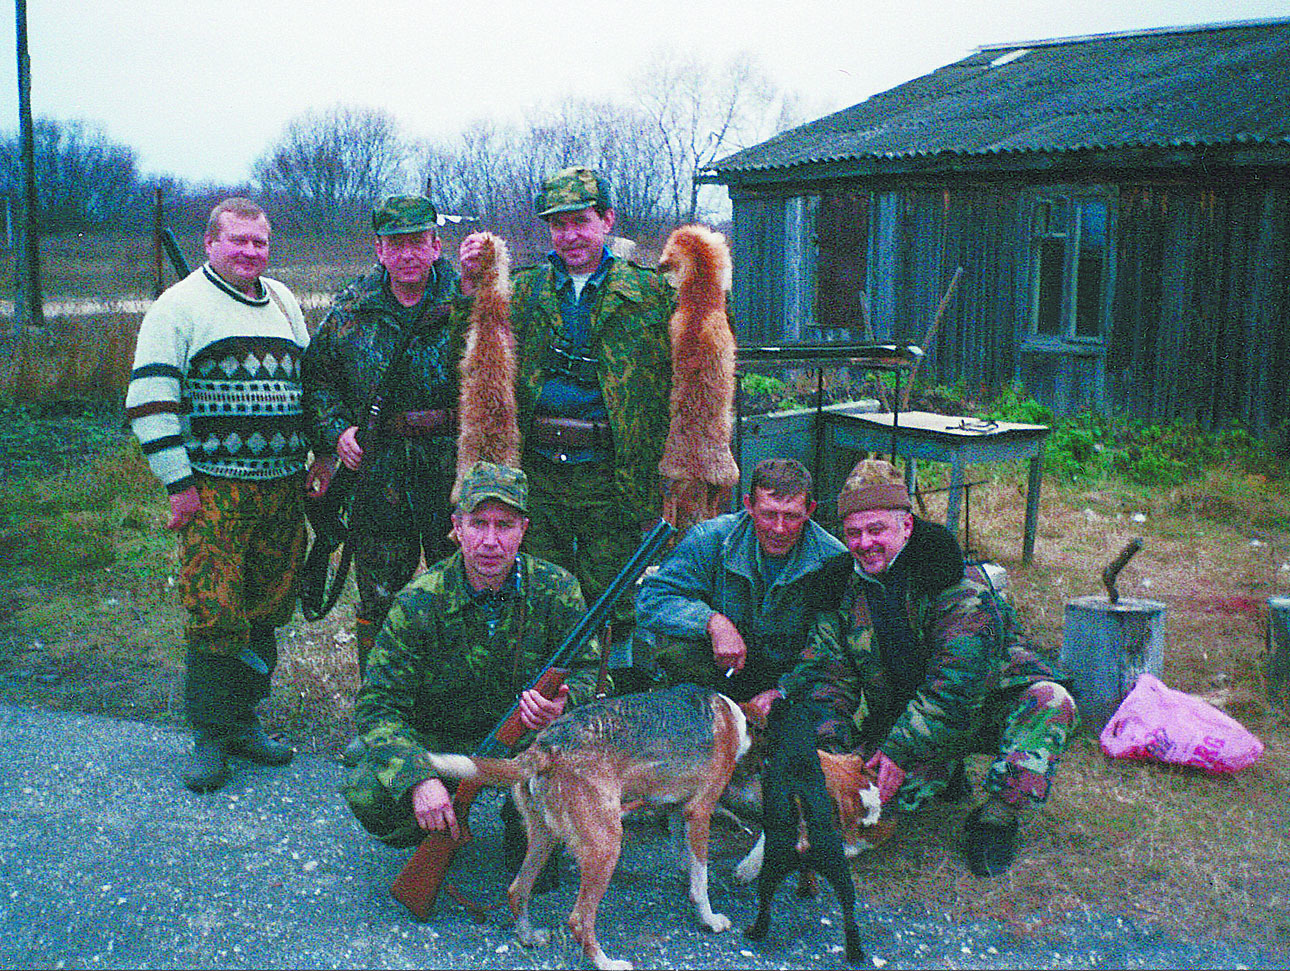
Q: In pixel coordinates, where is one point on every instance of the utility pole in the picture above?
(29, 308)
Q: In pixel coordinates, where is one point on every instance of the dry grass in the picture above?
(1174, 847)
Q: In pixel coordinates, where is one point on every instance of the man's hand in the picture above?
(183, 507)
(468, 257)
(350, 452)
(537, 711)
(432, 806)
(728, 649)
(890, 776)
(761, 702)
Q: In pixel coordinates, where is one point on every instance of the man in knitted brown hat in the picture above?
(919, 659)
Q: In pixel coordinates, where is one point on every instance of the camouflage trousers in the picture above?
(239, 555)
(1033, 726)
(400, 509)
(384, 563)
(577, 521)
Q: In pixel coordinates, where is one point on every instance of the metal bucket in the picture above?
(1105, 646)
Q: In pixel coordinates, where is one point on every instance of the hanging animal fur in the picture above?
(698, 467)
(488, 424)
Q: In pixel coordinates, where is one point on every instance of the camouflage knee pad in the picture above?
(389, 820)
(1036, 734)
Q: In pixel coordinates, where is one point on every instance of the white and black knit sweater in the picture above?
(216, 382)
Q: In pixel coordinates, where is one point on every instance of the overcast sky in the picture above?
(200, 89)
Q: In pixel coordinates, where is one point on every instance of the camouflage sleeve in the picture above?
(827, 674)
(387, 700)
(940, 716)
(323, 402)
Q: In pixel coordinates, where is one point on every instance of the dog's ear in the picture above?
(756, 720)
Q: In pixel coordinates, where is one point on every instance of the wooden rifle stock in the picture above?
(417, 884)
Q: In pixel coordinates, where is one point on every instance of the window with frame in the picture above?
(1070, 266)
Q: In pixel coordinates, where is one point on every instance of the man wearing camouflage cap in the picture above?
(458, 645)
(399, 308)
(922, 663)
(594, 380)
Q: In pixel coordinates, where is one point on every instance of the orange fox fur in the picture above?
(488, 424)
(698, 467)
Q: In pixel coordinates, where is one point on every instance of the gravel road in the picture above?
(106, 861)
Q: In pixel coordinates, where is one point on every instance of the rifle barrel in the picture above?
(590, 622)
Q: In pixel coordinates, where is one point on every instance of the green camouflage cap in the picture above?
(572, 189)
(488, 480)
(404, 214)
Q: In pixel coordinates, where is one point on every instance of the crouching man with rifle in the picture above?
(462, 642)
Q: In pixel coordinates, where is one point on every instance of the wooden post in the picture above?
(158, 245)
(29, 309)
(1105, 647)
(1277, 660)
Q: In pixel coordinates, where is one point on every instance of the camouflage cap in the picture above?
(572, 189)
(404, 214)
(488, 480)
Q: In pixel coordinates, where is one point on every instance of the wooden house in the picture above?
(1119, 203)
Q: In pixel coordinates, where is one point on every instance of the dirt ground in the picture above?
(1189, 853)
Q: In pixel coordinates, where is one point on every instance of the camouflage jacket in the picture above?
(447, 664)
(966, 636)
(354, 345)
(629, 337)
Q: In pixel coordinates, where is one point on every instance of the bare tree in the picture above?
(84, 180)
(703, 112)
(492, 173)
(332, 166)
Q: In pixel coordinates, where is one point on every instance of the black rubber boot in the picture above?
(205, 768)
(254, 743)
(989, 846)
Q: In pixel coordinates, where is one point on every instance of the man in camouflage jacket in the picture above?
(458, 645)
(595, 375)
(922, 660)
(405, 470)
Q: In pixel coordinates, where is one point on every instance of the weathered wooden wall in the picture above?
(1200, 311)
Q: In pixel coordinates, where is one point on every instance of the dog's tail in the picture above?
(499, 773)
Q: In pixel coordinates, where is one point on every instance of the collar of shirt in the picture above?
(510, 589)
(562, 278)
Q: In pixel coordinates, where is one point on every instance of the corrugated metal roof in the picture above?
(1219, 84)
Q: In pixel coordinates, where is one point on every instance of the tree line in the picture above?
(328, 166)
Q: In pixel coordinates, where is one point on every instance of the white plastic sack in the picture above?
(1157, 722)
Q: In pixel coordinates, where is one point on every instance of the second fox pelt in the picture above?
(488, 420)
(698, 467)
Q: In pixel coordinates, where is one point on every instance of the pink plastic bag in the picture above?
(1156, 722)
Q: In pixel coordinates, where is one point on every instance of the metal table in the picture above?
(896, 358)
(954, 440)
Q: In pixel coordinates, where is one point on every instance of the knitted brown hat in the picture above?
(873, 484)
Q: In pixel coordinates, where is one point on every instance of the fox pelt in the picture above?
(488, 424)
(698, 467)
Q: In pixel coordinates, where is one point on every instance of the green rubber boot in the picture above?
(206, 768)
(254, 743)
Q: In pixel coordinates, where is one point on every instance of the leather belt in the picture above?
(572, 433)
(422, 424)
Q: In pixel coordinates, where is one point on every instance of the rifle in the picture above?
(417, 885)
(329, 487)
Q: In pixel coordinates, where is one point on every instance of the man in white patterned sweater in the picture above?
(214, 399)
